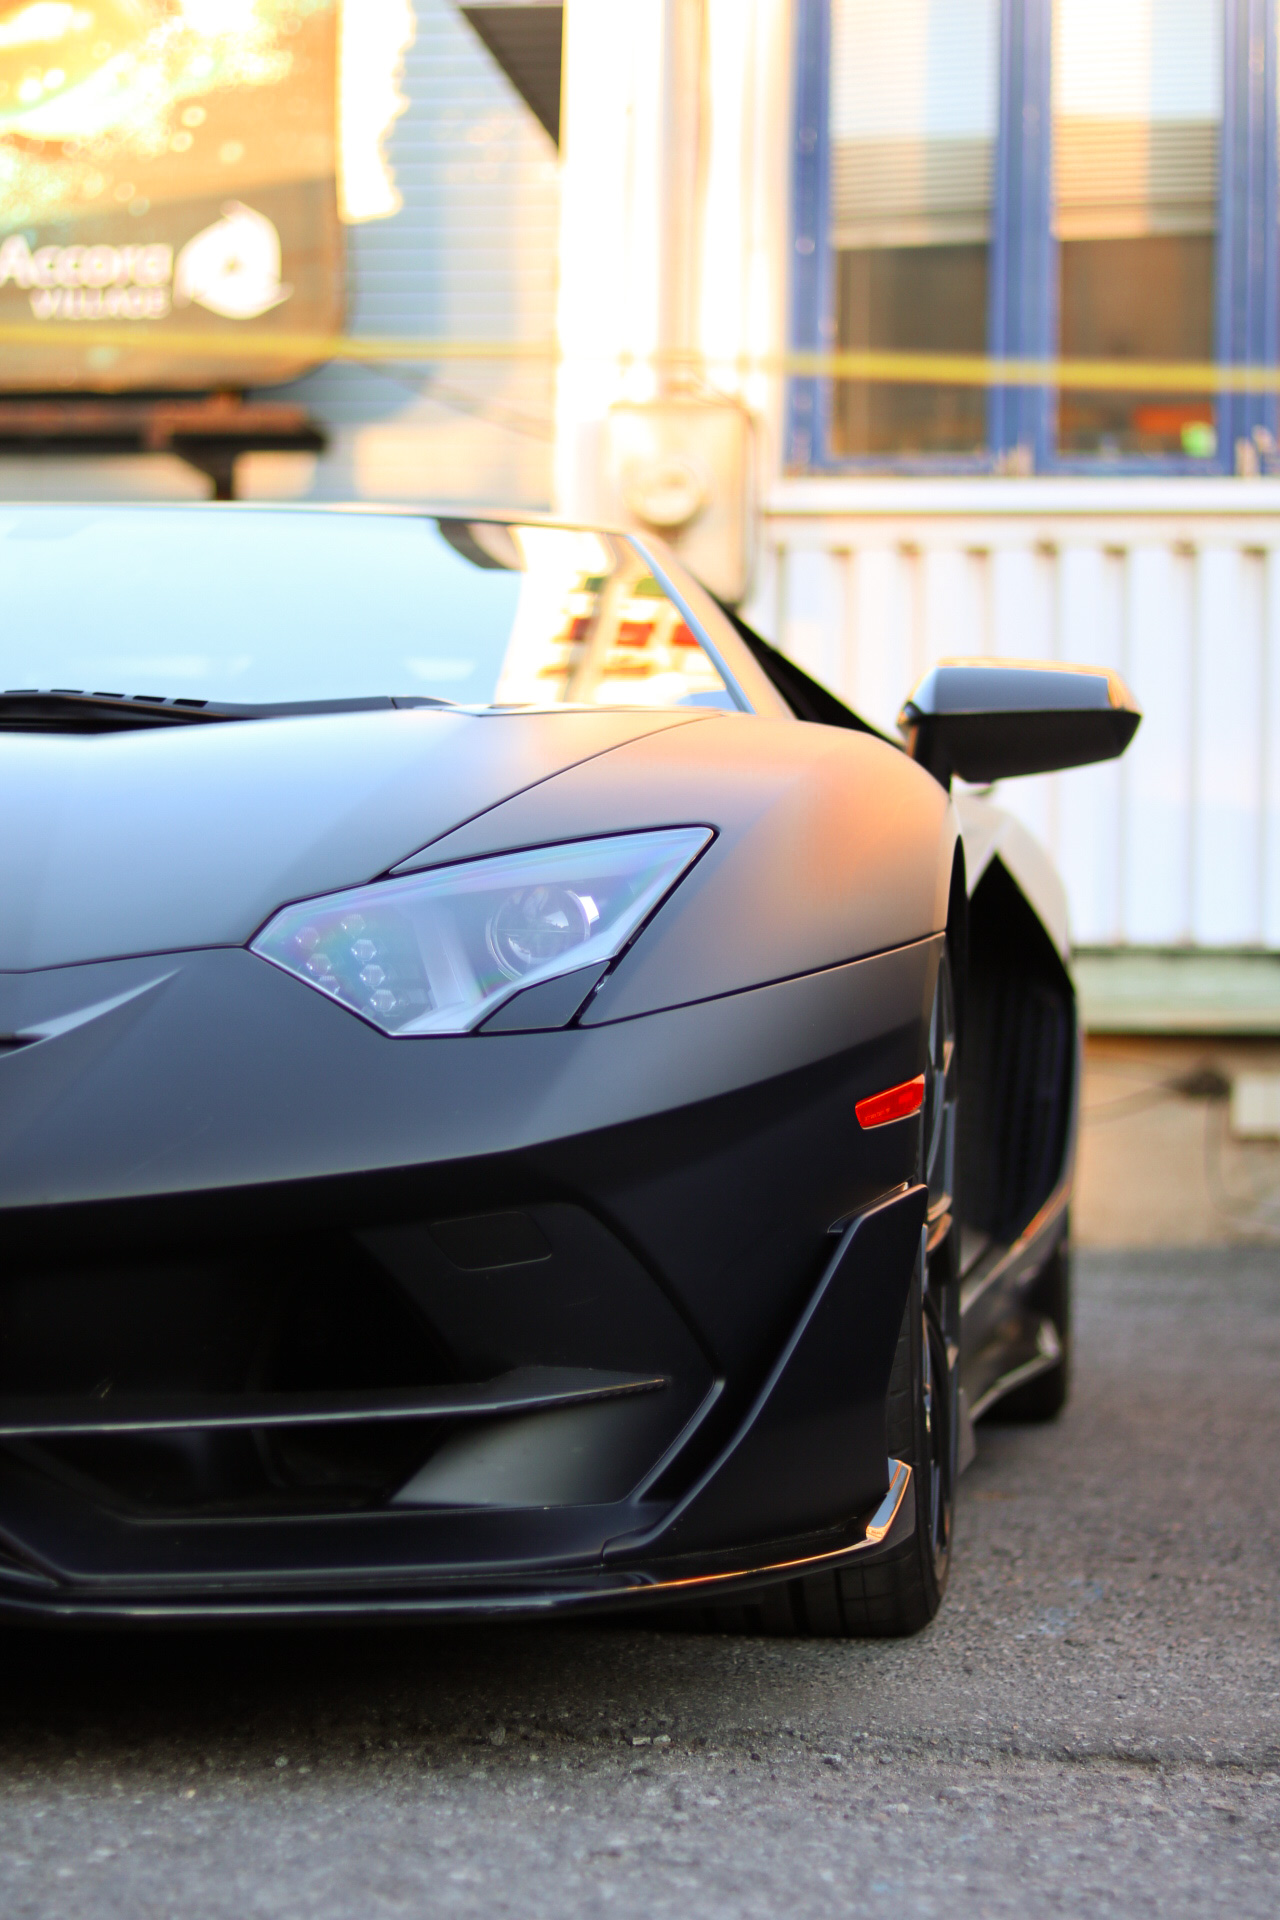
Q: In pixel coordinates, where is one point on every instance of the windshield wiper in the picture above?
(68, 710)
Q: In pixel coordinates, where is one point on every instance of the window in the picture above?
(913, 115)
(1084, 179)
(1137, 121)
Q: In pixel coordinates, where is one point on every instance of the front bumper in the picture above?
(264, 1266)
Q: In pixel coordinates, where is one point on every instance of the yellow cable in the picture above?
(872, 366)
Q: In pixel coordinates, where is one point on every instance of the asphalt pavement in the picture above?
(1091, 1726)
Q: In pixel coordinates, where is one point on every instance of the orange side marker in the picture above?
(896, 1103)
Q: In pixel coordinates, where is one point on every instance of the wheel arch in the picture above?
(1019, 1067)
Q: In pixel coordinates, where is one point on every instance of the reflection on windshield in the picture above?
(252, 606)
(594, 627)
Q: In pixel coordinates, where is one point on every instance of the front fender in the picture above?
(830, 845)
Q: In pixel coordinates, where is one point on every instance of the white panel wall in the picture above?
(1158, 779)
(1271, 761)
(1174, 583)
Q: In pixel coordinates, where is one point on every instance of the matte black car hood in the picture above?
(150, 842)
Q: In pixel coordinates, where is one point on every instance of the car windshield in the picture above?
(255, 606)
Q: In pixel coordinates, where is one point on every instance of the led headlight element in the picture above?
(440, 951)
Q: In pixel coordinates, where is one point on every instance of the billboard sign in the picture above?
(167, 174)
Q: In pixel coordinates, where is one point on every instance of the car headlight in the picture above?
(440, 951)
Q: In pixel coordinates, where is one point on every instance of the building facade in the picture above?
(1018, 178)
(647, 224)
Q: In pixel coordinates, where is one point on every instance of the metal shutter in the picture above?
(471, 255)
(1137, 114)
(914, 105)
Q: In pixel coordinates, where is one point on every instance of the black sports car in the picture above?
(496, 1114)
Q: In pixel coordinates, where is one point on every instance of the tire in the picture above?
(898, 1592)
(1044, 1397)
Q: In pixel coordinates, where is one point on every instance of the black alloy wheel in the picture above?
(898, 1592)
(940, 1303)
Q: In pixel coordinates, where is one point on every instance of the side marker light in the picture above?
(895, 1103)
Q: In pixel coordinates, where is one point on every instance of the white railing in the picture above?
(1176, 583)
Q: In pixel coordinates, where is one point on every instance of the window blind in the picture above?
(914, 105)
(1137, 115)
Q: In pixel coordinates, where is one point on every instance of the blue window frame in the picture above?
(1023, 262)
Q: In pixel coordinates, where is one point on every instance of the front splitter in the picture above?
(578, 1593)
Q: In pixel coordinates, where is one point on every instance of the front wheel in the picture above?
(899, 1591)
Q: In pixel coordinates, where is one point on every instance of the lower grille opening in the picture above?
(424, 1370)
(307, 1317)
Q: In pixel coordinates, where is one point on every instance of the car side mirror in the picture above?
(992, 719)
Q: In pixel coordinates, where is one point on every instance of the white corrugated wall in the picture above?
(1175, 583)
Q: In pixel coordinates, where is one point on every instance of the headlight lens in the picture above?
(439, 952)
